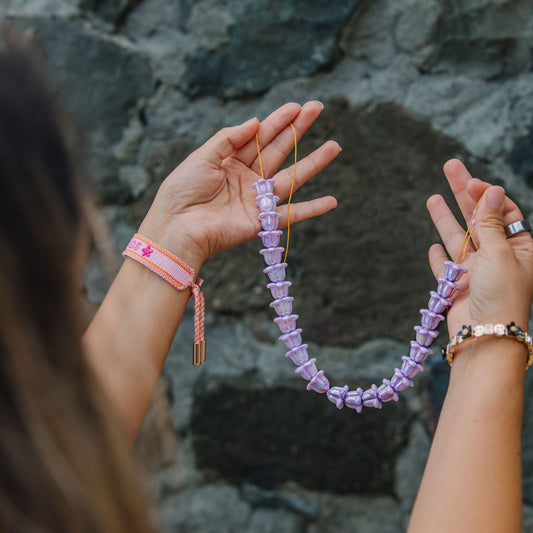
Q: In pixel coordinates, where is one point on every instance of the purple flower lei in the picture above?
(291, 336)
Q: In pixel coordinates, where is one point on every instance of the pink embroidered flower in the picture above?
(147, 251)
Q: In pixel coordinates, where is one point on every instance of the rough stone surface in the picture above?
(406, 86)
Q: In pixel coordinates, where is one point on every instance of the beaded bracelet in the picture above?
(511, 331)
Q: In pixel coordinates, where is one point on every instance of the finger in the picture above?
(437, 256)
(275, 153)
(271, 126)
(450, 231)
(304, 210)
(305, 169)
(458, 178)
(489, 219)
(227, 141)
(276, 150)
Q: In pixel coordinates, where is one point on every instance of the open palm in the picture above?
(209, 199)
(499, 283)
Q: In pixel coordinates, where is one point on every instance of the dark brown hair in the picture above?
(64, 467)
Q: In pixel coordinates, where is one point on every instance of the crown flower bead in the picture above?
(354, 399)
(386, 392)
(410, 368)
(447, 288)
(263, 186)
(319, 383)
(283, 306)
(286, 324)
(308, 370)
(298, 355)
(437, 303)
(453, 271)
(418, 352)
(276, 272)
(267, 202)
(399, 382)
(280, 289)
(272, 256)
(430, 320)
(269, 220)
(424, 336)
(270, 238)
(370, 397)
(336, 395)
(292, 339)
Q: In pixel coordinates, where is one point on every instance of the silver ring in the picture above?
(517, 227)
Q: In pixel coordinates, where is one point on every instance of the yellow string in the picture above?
(290, 194)
(468, 235)
(259, 156)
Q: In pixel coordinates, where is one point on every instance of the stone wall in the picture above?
(238, 445)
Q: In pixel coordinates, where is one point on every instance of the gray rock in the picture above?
(417, 24)
(410, 466)
(135, 177)
(102, 92)
(270, 41)
(274, 521)
(282, 433)
(208, 509)
(486, 39)
(527, 519)
(44, 8)
(357, 515)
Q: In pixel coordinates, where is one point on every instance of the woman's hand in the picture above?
(207, 204)
(499, 285)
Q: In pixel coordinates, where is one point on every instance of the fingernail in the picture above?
(495, 198)
(320, 103)
(248, 122)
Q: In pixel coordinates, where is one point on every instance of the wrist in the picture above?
(165, 231)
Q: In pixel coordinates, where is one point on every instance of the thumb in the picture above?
(489, 219)
(227, 140)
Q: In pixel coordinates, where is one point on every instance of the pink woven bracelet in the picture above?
(179, 274)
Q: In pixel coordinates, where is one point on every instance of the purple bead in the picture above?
(410, 368)
(270, 238)
(418, 352)
(276, 272)
(279, 289)
(437, 303)
(399, 382)
(269, 220)
(370, 398)
(267, 202)
(386, 392)
(319, 383)
(308, 370)
(446, 288)
(425, 336)
(272, 256)
(453, 271)
(336, 395)
(354, 399)
(430, 320)
(283, 306)
(263, 186)
(298, 355)
(286, 324)
(292, 339)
